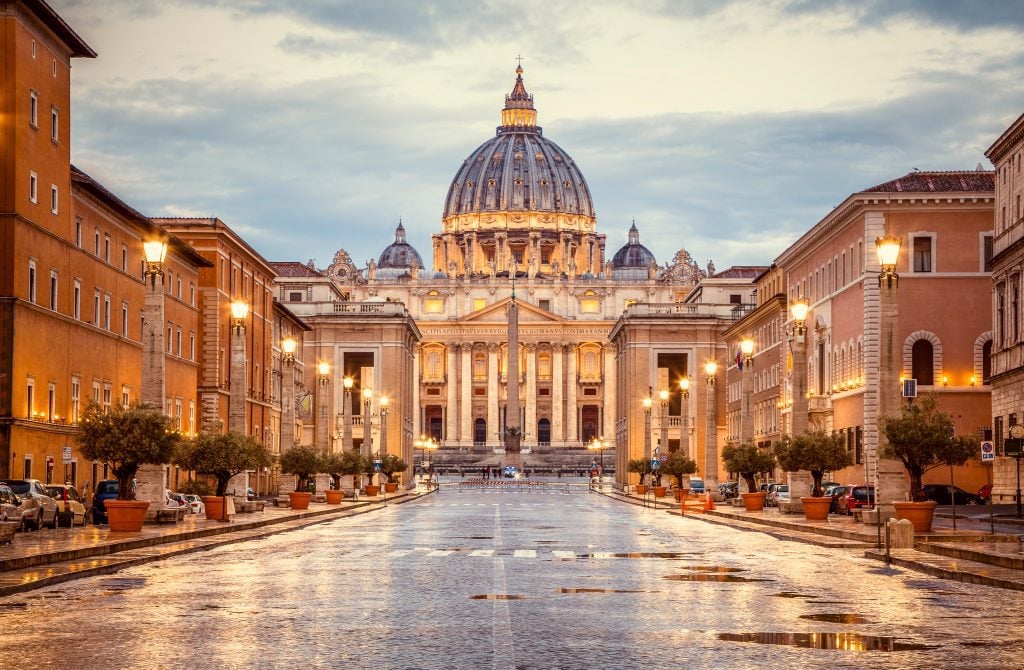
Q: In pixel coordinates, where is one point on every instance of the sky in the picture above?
(726, 127)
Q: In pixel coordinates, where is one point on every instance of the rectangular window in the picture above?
(107, 393)
(545, 305)
(191, 294)
(51, 402)
(54, 125)
(124, 319)
(177, 347)
(33, 109)
(1014, 307)
(179, 287)
(96, 392)
(78, 233)
(33, 187)
(922, 247)
(53, 290)
(191, 346)
(106, 312)
(124, 258)
(30, 398)
(76, 399)
(54, 199)
(96, 240)
(96, 308)
(32, 281)
(170, 341)
(479, 304)
(177, 413)
(106, 248)
(77, 307)
(986, 251)
(125, 396)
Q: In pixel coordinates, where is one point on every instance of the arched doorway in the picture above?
(589, 416)
(544, 431)
(480, 431)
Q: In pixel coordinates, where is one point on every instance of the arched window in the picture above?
(544, 431)
(921, 355)
(986, 362)
(544, 366)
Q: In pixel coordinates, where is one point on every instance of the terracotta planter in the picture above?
(300, 499)
(681, 494)
(126, 515)
(753, 502)
(372, 490)
(334, 496)
(816, 509)
(641, 489)
(918, 513)
(660, 491)
(214, 507)
(390, 488)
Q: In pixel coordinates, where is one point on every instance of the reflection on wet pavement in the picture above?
(839, 641)
(836, 618)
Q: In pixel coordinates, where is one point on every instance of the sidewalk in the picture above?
(971, 553)
(42, 558)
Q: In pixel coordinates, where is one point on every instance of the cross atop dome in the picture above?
(519, 113)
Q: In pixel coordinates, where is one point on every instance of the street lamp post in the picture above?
(346, 436)
(747, 392)
(798, 417)
(684, 412)
(889, 481)
(599, 444)
(383, 401)
(711, 439)
(289, 345)
(425, 444)
(152, 478)
(647, 402)
(238, 389)
(367, 423)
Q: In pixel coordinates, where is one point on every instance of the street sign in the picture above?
(1012, 446)
(67, 455)
(655, 464)
(664, 458)
(988, 451)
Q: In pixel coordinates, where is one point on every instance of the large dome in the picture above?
(519, 169)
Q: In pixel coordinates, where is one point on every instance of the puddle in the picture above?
(791, 594)
(208, 606)
(670, 555)
(11, 606)
(712, 568)
(123, 583)
(706, 577)
(836, 618)
(839, 641)
(475, 537)
(497, 596)
(546, 541)
(598, 591)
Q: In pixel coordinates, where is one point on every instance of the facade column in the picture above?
(684, 424)
(557, 402)
(609, 394)
(465, 412)
(451, 414)
(492, 394)
(152, 479)
(237, 399)
(747, 402)
(711, 438)
(417, 414)
(572, 411)
(530, 430)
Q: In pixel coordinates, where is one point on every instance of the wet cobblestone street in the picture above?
(503, 580)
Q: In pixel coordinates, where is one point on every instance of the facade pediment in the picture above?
(498, 313)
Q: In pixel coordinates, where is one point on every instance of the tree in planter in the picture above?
(338, 465)
(390, 464)
(816, 451)
(679, 466)
(921, 437)
(126, 438)
(222, 455)
(640, 466)
(303, 461)
(747, 460)
(196, 487)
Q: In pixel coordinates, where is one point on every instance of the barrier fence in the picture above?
(515, 486)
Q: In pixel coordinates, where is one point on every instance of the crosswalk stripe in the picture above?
(602, 554)
(525, 553)
(564, 554)
(482, 552)
(439, 552)
(397, 553)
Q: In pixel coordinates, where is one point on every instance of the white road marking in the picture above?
(502, 642)
(564, 554)
(525, 553)
(482, 552)
(439, 552)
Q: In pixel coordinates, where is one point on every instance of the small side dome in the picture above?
(632, 260)
(399, 257)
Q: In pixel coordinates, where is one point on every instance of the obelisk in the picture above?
(513, 427)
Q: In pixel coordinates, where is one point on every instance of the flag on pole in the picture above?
(739, 359)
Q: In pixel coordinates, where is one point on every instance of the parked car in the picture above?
(195, 504)
(856, 497)
(729, 489)
(38, 509)
(825, 486)
(172, 499)
(10, 505)
(70, 508)
(509, 472)
(940, 493)
(836, 492)
(697, 485)
(769, 493)
(779, 494)
(105, 490)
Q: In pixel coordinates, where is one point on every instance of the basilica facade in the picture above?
(518, 219)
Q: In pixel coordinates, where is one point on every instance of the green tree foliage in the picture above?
(921, 437)
(641, 466)
(390, 464)
(679, 465)
(196, 487)
(303, 461)
(222, 455)
(816, 451)
(338, 465)
(126, 438)
(747, 460)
